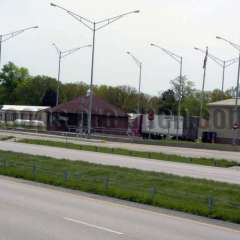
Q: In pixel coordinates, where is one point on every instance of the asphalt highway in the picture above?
(41, 213)
(181, 169)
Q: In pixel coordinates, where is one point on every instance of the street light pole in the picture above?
(8, 36)
(180, 96)
(178, 59)
(237, 47)
(236, 101)
(238, 77)
(58, 80)
(91, 83)
(139, 89)
(139, 64)
(61, 55)
(94, 27)
(223, 76)
(220, 62)
(0, 51)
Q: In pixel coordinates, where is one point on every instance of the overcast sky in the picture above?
(178, 25)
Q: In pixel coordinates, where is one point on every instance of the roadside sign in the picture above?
(236, 126)
(151, 115)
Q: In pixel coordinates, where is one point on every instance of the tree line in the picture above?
(18, 87)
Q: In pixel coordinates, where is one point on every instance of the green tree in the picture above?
(68, 91)
(2, 95)
(124, 97)
(182, 88)
(191, 104)
(11, 77)
(218, 95)
(153, 104)
(33, 90)
(18, 87)
(231, 92)
(168, 103)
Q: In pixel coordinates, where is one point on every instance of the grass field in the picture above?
(120, 151)
(201, 197)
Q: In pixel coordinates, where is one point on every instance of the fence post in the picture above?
(4, 163)
(153, 192)
(210, 203)
(106, 183)
(66, 138)
(66, 175)
(78, 175)
(34, 170)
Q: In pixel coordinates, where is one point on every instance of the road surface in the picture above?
(185, 152)
(181, 169)
(34, 212)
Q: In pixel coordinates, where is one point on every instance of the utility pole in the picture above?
(203, 84)
(1, 51)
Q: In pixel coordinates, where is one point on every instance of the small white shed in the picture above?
(23, 115)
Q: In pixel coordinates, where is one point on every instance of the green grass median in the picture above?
(126, 152)
(6, 138)
(200, 197)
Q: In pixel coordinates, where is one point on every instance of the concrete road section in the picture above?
(181, 169)
(34, 212)
(186, 152)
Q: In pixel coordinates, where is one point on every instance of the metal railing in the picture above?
(114, 187)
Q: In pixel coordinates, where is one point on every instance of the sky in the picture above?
(178, 25)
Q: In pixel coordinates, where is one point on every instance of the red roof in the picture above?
(80, 104)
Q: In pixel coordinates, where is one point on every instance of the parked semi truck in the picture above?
(161, 126)
(164, 126)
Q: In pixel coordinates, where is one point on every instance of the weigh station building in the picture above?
(73, 116)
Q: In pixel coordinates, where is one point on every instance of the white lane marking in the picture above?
(92, 226)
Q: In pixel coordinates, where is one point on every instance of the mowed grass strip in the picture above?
(6, 138)
(126, 152)
(200, 197)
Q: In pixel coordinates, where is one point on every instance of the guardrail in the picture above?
(105, 185)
